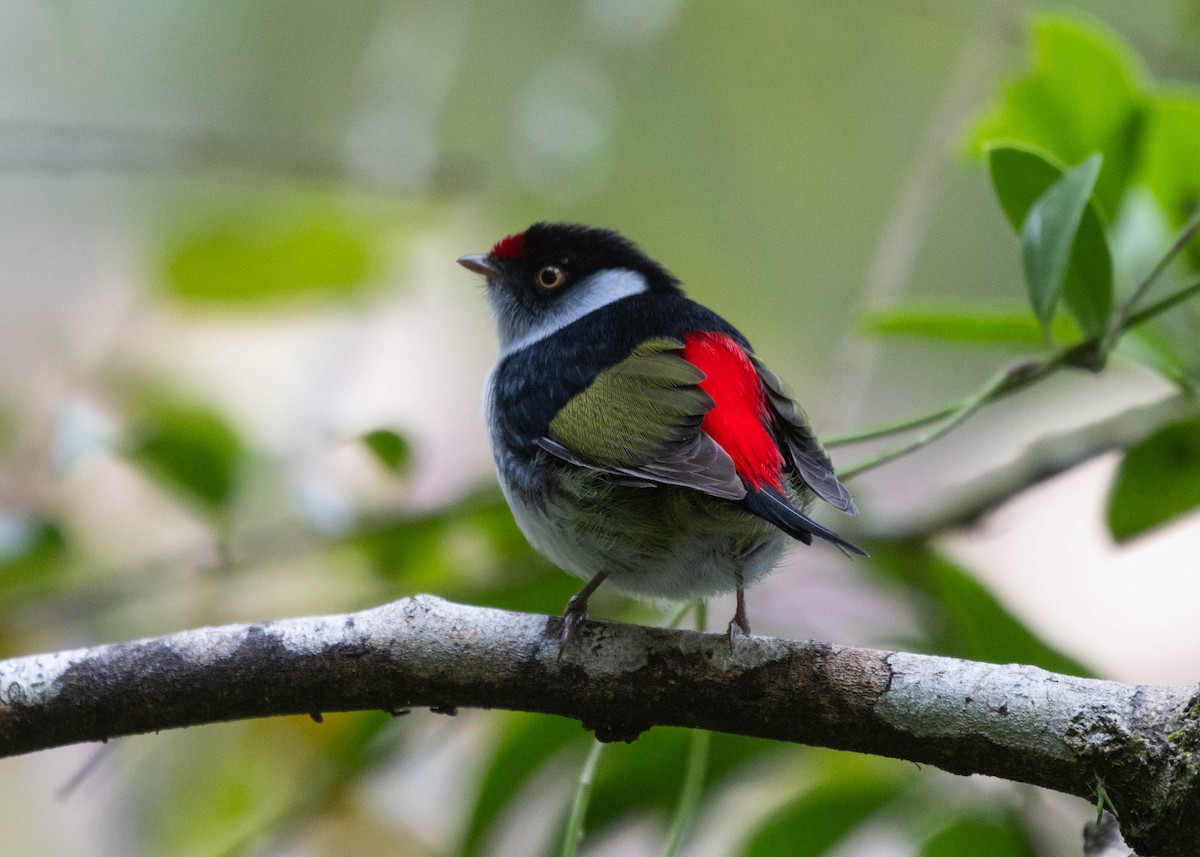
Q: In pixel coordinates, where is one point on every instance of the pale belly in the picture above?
(660, 542)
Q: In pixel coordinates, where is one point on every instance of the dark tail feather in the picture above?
(771, 506)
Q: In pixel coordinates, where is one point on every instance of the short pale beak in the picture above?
(479, 264)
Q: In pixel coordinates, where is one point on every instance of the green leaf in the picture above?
(1048, 235)
(816, 822)
(1158, 480)
(981, 837)
(1140, 235)
(246, 260)
(1082, 96)
(390, 449)
(188, 447)
(1021, 176)
(974, 324)
(1170, 163)
(33, 554)
(968, 621)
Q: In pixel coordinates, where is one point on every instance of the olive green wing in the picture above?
(806, 453)
(640, 419)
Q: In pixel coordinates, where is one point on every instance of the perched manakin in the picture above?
(638, 438)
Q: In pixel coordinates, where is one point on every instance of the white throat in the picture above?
(598, 290)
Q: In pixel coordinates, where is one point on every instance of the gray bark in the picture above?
(1017, 722)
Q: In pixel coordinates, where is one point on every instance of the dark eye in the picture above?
(550, 277)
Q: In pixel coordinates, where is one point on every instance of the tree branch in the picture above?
(1042, 460)
(1018, 722)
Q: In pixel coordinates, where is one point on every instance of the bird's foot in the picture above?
(739, 626)
(572, 618)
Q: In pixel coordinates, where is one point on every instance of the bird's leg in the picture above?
(576, 610)
(739, 624)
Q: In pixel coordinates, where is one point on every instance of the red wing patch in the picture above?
(739, 418)
(512, 247)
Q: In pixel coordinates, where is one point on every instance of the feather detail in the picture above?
(699, 464)
(803, 449)
(739, 420)
(774, 507)
(640, 418)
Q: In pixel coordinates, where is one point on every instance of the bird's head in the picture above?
(552, 274)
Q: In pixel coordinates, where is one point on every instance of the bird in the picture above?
(638, 438)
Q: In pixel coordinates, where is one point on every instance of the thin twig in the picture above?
(1121, 316)
(1162, 306)
(968, 406)
(1045, 459)
(886, 429)
(1090, 353)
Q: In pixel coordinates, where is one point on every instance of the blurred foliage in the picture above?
(1063, 245)
(286, 255)
(192, 449)
(1158, 480)
(981, 836)
(33, 555)
(390, 448)
(843, 799)
(1084, 95)
(962, 618)
(519, 750)
(968, 323)
(471, 552)
(1093, 164)
(1087, 103)
(1025, 181)
(226, 788)
(217, 790)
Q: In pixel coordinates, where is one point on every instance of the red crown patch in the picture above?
(512, 247)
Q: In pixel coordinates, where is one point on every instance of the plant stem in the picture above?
(889, 428)
(963, 410)
(1091, 353)
(693, 773)
(1162, 306)
(1121, 317)
(573, 834)
(1043, 460)
(692, 781)
(690, 793)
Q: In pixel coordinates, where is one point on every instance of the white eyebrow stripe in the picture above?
(597, 291)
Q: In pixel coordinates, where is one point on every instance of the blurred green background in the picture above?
(240, 379)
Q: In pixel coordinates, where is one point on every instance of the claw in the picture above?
(576, 612)
(739, 625)
(573, 617)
